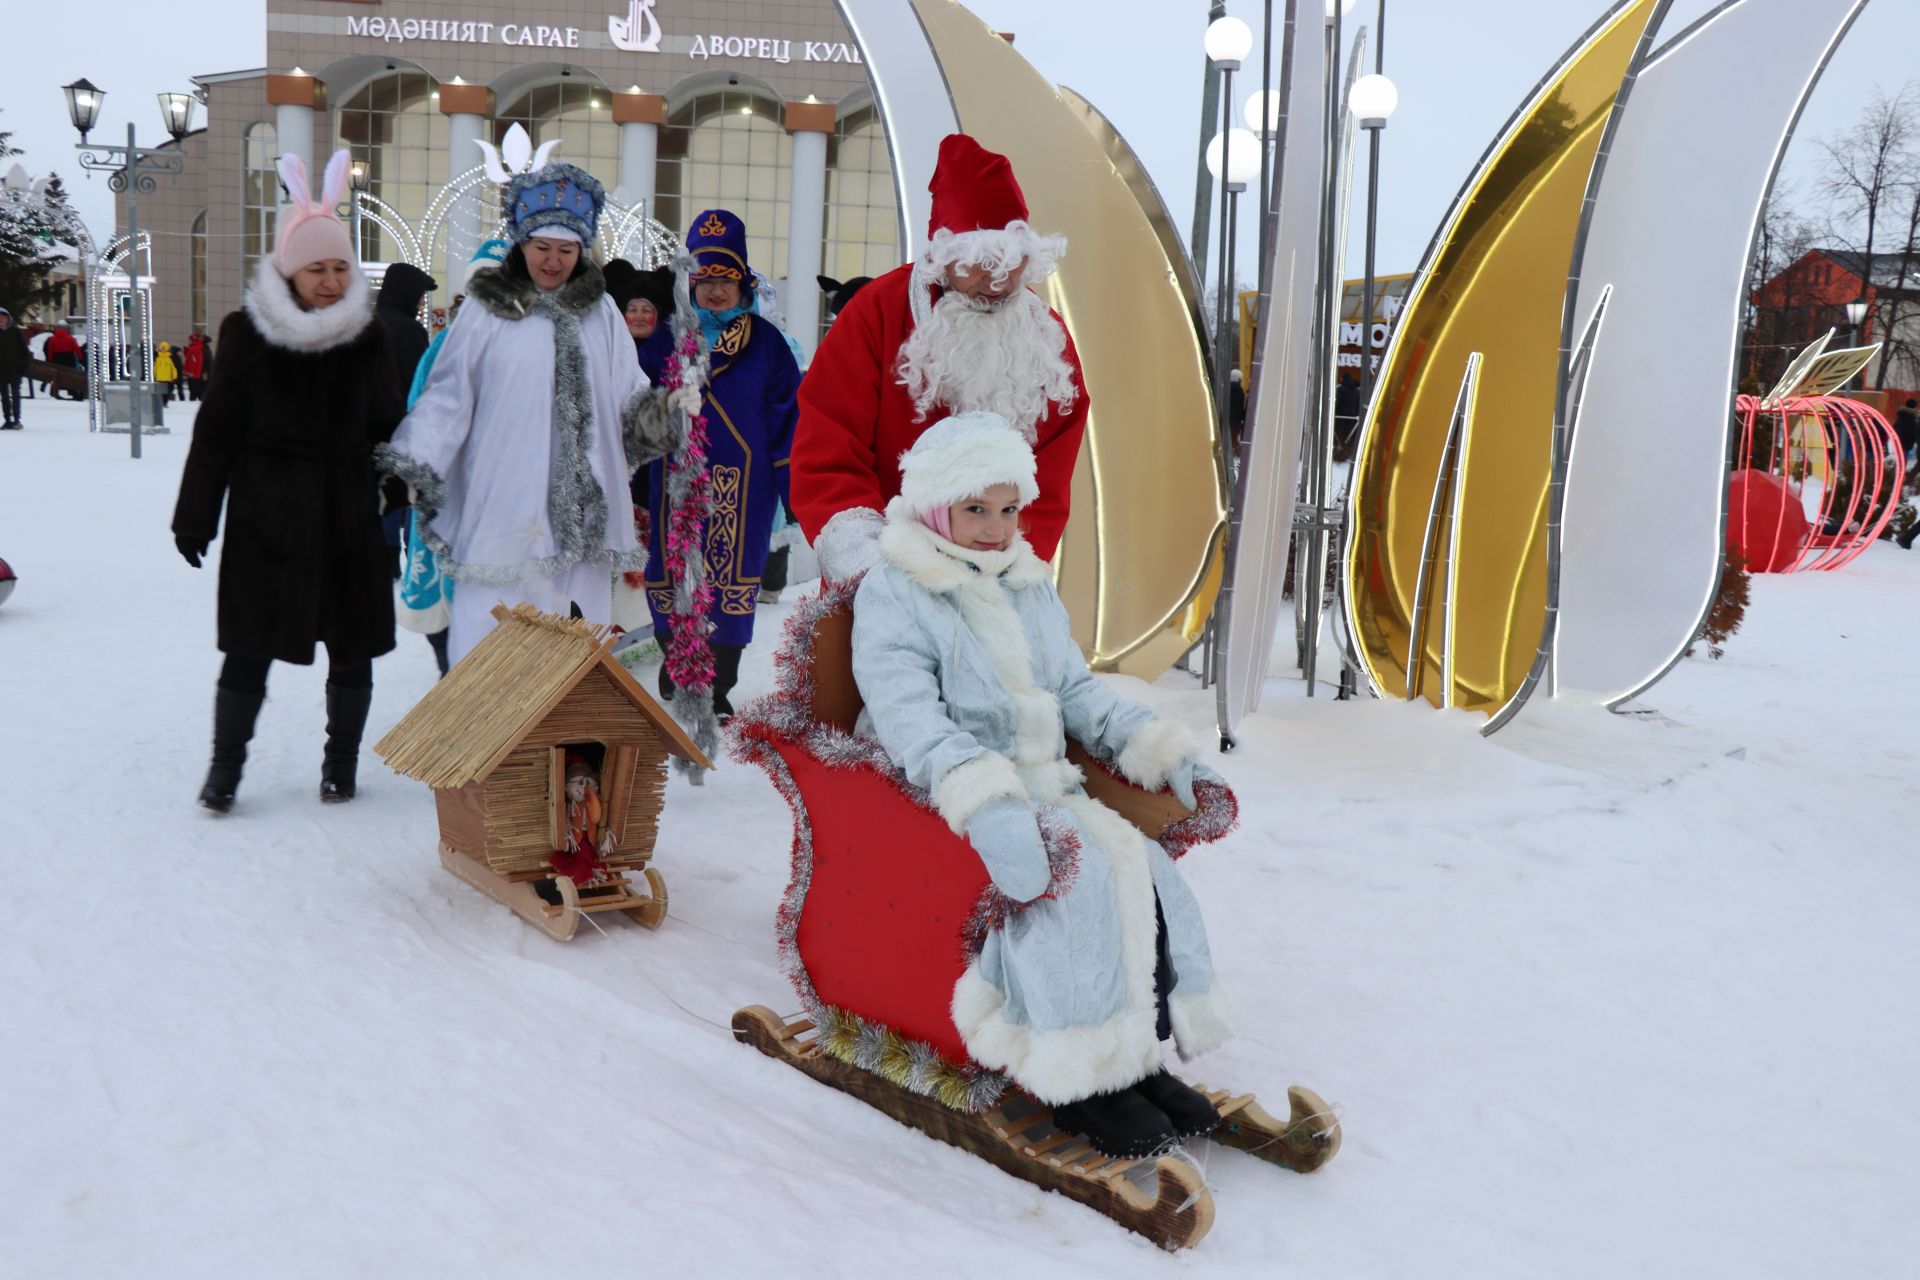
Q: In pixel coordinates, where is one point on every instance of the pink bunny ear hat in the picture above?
(308, 233)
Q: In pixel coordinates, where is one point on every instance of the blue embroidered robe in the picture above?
(751, 408)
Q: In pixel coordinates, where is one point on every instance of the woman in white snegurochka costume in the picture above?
(972, 682)
(534, 418)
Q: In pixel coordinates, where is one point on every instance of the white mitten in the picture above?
(1007, 837)
(686, 398)
(1184, 775)
(850, 544)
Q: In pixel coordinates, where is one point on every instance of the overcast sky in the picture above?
(1462, 66)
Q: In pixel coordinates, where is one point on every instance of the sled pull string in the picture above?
(657, 987)
(1182, 1151)
(1336, 1112)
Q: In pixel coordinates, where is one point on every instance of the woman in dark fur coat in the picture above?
(301, 392)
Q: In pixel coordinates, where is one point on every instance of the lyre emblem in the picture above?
(639, 31)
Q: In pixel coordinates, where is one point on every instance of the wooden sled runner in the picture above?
(874, 943)
(1162, 1198)
(557, 912)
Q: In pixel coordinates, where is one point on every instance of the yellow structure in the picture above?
(1471, 505)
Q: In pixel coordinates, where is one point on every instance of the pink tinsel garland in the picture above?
(689, 657)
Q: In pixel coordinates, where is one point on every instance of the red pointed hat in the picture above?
(973, 189)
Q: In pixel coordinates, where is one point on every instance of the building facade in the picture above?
(759, 106)
(1811, 295)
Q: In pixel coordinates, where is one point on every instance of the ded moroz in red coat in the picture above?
(856, 419)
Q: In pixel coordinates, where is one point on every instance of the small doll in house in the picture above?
(587, 837)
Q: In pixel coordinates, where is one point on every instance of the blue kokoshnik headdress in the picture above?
(718, 243)
(554, 195)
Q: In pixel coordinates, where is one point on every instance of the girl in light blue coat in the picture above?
(973, 683)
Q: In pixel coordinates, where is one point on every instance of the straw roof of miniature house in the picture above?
(480, 711)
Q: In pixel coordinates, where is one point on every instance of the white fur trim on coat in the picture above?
(944, 568)
(971, 787)
(849, 544)
(964, 456)
(1056, 1067)
(1154, 751)
(282, 321)
(1202, 1020)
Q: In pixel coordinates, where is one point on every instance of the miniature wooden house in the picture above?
(495, 739)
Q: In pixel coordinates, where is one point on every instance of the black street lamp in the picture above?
(130, 171)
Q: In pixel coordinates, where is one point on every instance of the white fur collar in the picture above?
(942, 567)
(282, 321)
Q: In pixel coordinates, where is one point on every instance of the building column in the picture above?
(809, 123)
(296, 99)
(639, 116)
(468, 108)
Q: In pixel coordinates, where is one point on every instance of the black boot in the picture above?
(1122, 1124)
(726, 674)
(234, 714)
(346, 718)
(1191, 1113)
(1906, 539)
(438, 642)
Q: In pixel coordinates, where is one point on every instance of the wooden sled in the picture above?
(556, 912)
(1162, 1197)
(880, 940)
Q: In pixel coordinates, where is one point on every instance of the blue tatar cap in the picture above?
(718, 243)
(557, 195)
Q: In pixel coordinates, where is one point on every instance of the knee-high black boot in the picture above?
(726, 674)
(346, 719)
(234, 714)
(438, 641)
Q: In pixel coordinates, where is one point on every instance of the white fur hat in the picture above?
(964, 456)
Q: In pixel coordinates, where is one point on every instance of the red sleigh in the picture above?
(886, 905)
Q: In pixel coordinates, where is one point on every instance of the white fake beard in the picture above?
(1006, 357)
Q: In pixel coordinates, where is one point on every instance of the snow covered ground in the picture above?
(1602, 996)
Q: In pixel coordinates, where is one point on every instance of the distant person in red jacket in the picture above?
(959, 330)
(63, 352)
(193, 365)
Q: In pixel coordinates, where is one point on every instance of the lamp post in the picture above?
(1856, 323)
(1228, 42)
(130, 171)
(1262, 115)
(357, 181)
(1372, 100)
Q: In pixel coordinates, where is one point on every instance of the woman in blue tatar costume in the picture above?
(750, 407)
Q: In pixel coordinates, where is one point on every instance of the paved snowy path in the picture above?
(1603, 996)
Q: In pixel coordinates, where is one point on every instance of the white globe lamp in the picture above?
(1373, 100)
(1233, 157)
(1229, 41)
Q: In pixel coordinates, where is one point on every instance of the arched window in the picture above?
(863, 210)
(259, 195)
(578, 114)
(197, 254)
(393, 126)
(729, 150)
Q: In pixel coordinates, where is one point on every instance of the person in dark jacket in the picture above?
(302, 390)
(398, 310)
(13, 367)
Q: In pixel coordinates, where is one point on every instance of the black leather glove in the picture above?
(191, 547)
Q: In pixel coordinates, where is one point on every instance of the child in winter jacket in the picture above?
(972, 684)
